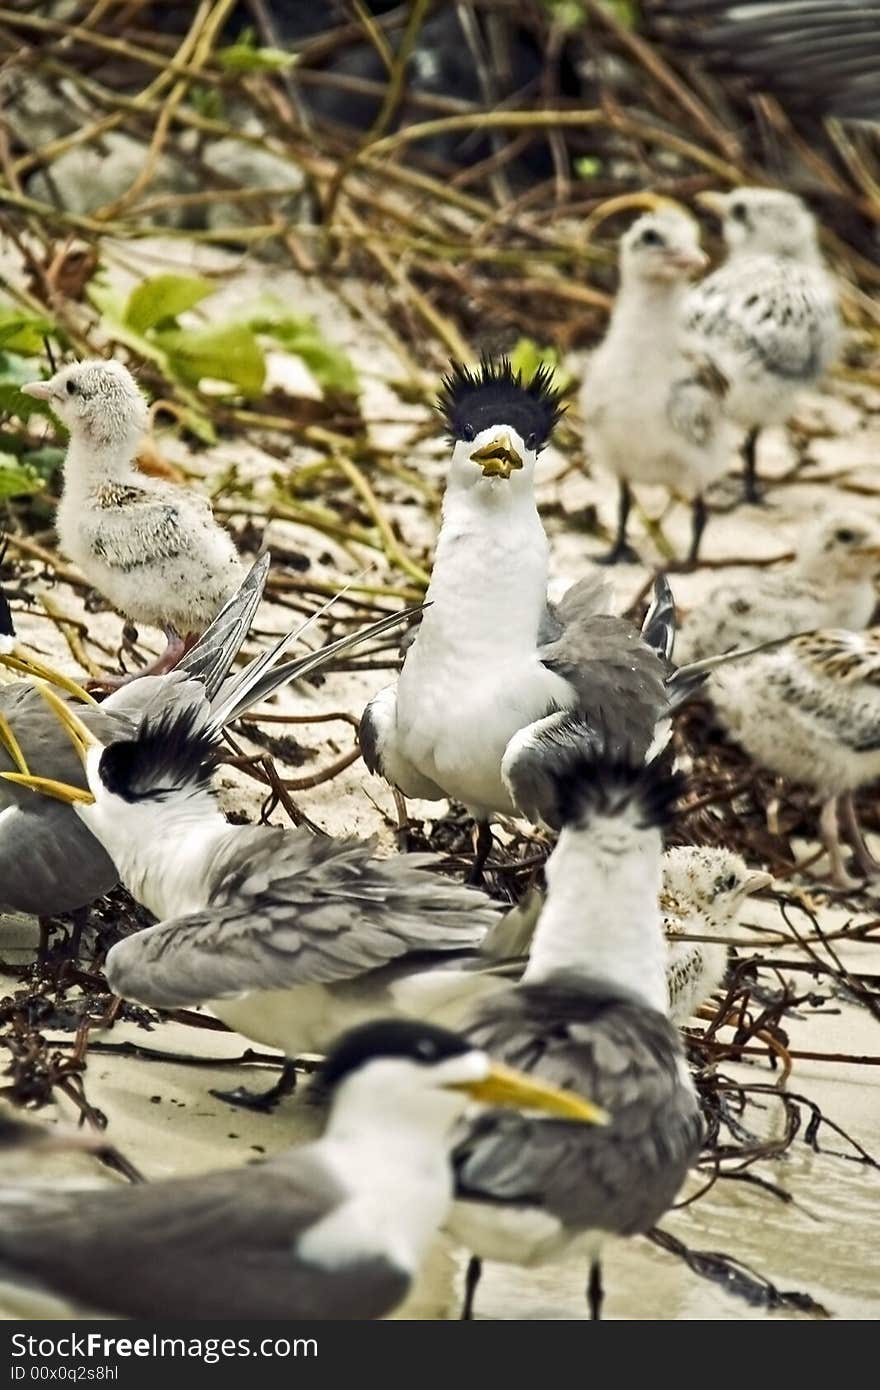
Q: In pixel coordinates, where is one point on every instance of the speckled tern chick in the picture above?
(652, 400)
(769, 315)
(810, 712)
(152, 549)
(830, 583)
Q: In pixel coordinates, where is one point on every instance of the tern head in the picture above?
(171, 758)
(661, 246)
(714, 883)
(497, 424)
(414, 1072)
(99, 402)
(764, 222)
(844, 545)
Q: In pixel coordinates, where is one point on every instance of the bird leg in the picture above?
(595, 1291)
(621, 550)
(175, 647)
(482, 850)
(853, 832)
(830, 833)
(471, 1280)
(262, 1100)
(751, 491)
(403, 843)
(699, 517)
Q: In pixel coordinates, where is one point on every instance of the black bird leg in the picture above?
(482, 850)
(621, 550)
(471, 1280)
(699, 516)
(751, 491)
(262, 1100)
(595, 1292)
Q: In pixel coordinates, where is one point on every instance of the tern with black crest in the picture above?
(592, 1010)
(335, 1229)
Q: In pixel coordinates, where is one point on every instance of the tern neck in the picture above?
(393, 1161)
(89, 466)
(643, 303)
(160, 848)
(489, 582)
(602, 913)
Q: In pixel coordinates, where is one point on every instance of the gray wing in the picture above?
(49, 861)
(219, 1245)
(618, 679)
(585, 599)
(377, 735)
(160, 534)
(768, 312)
(616, 1052)
(287, 908)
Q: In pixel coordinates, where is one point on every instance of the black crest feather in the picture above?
(493, 394)
(171, 754)
(395, 1037)
(594, 775)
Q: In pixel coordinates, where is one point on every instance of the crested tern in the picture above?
(49, 862)
(493, 661)
(592, 1010)
(335, 1229)
(286, 936)
(151, 548)
(652, 401)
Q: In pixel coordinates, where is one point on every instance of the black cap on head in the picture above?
(170, 754)
(404, 1038)
(472, 401)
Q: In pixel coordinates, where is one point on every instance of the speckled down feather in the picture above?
(286, 908)
(627, 1058)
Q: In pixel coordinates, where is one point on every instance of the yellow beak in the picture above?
(26, 664)
(504, 1086)
(80, 736)
(871, 552)
(498, 458)
(12, 745)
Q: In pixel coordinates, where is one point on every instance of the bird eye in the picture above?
(845, 535)
(738, 212)
(726, 885)
(425, 1048)
(532, 441)
(468, 432)
(651, 238)
(71, 388)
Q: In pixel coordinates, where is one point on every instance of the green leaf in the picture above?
(527, 357)
(16, 479)
(164, 297)
(22, 332)
(14, 402)
(330, 366)
(243, 57)
(227, 353)
(586, 166)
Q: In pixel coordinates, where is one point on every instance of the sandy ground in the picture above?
(160, 1114)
